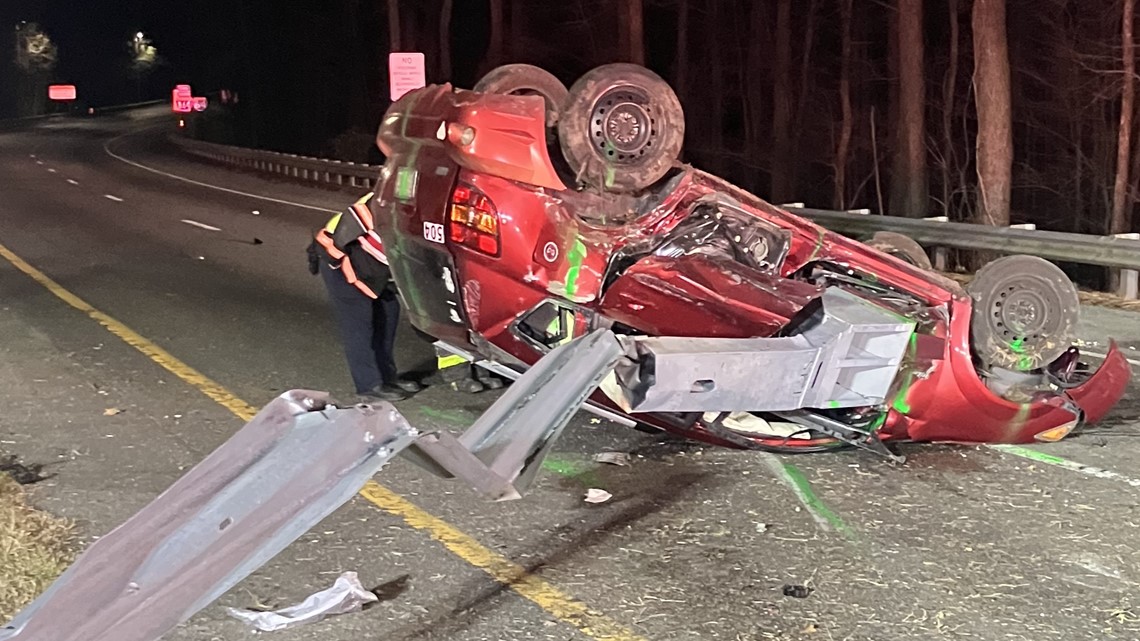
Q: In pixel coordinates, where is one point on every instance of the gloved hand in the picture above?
(314, 258)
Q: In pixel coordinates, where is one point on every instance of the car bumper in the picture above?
(951, 403)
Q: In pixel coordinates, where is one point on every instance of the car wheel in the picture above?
(902, 247)
(527, 80)
(622, 128)
(1025, 313)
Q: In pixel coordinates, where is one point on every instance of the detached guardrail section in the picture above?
(305, 168)
(935, 234)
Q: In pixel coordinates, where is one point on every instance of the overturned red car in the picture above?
(522, 215)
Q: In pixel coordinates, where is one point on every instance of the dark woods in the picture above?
(993, 111)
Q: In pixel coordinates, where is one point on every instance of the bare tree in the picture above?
(1121, 220)
(394, 26)
(445, 40)
(992, 98)
(681, 74)
(908, 181)
(843, 151)
(631, 25)
(949, 90)
(495, 50)
(782, 179)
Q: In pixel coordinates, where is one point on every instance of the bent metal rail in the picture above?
(1121, 252)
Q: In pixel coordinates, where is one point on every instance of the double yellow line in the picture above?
(559, 604)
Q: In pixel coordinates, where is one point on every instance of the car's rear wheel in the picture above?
(622, 128)
(1025, 313)
(902, 247)
(527, 80)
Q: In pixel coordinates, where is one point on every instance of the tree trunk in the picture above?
(782, 181)
(992, 96)
(518, 29)
(949, 91)
(495, 49)
(847, 125)
(908, 182)
(1121, 220)
(636, 32)
(445, 41)
(394, 26)
(681, 73)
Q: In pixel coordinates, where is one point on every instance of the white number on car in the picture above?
(433, 232)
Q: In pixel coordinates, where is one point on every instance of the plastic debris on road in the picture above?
(594, 495)
(613, 458)
(347, 595)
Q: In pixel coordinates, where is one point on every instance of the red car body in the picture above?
(480, 228)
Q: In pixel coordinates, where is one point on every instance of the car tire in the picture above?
(527, 80)
(902, 247)
(621, 129)
(1025, 313)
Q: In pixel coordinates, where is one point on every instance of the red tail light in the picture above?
(474, 221)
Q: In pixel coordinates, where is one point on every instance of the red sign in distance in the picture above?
(182, 100)
(61, 92)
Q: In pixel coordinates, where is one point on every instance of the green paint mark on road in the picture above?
(1049, 459)
(571, 468)
(457, 418)
(795, 479)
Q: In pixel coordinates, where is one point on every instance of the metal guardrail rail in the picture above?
(1108, 251)
(306, 168)
(936, 234)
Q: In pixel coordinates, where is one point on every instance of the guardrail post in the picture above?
(1129, 287)
(940, 255)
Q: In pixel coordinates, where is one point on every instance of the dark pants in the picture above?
(367, 329)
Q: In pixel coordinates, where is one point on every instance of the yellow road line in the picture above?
(559, 604)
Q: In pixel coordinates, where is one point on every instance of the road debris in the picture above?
(798, 591)
(594, 495)
(620, 459)
(112, 411)
(347, 595)
(20, 472)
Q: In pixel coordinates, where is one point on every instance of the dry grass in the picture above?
(35, 547)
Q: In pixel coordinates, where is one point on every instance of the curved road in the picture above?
(696, 544)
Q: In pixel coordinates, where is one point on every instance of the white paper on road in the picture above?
(344, 597)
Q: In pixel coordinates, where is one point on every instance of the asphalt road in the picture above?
(697, 543)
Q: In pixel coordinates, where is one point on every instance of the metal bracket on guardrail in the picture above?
(1129, 283)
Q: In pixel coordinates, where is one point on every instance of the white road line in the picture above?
(1134, 362)
(39, 162)
(1064, 463)
(107, 148)
(72, 181)
(114, 198)
(50, 170)
(201, 225)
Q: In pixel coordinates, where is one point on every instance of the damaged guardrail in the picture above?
(1120, 252)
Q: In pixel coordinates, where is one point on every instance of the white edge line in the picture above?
(201, 225)
(1064, 463)
(114, 198)
(1135, 363)
(107, 148)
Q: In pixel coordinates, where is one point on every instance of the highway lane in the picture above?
(697, 542)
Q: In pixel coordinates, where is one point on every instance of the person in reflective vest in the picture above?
(349, 256)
